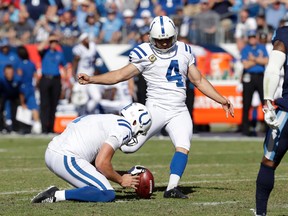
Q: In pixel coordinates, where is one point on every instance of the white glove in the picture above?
(270, 116)
(239, 87)
(136, 170)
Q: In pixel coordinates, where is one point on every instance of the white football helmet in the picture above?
(139, 118)
(162, 27)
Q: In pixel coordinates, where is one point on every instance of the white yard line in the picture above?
(23, 169)
(156, 185)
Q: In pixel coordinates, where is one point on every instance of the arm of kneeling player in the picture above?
(104, 165)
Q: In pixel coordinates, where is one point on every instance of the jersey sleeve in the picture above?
(281, 35)
(139, 57)
(120, 135)
(190, 54)
(76, 51)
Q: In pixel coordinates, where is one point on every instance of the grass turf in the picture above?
(219, 180)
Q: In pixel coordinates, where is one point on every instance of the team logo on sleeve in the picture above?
(152, 58)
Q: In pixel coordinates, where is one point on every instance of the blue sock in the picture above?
(90, 194)
(178, 163)
(264, 186)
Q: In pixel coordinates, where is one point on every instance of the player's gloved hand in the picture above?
(136, 170)
(239, 87)
(270, 116)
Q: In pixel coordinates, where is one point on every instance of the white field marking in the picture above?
(213, 203)
(196, 153)
(219, 181)
(3, 150)
(19, 192)
(193, 203)
(23, 169)
(204, 165)
(156, 185)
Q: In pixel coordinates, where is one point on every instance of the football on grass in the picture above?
(146, 184)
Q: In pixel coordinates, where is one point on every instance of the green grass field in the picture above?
(219, 179)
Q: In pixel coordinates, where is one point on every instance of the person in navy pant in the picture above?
(50, 82)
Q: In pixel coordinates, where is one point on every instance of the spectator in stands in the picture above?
(237, 6)
(182, 22)
(274, 11)
(111, 29)
(50, 82)
(170, 6)
(158, 11)
(146, 18)
(206, 24)
(131, 5)
(222, 7)
(10, 93)
(144, 5)
(7, 28)
(84, 61)
(191, 7)
(24, 30)
(244, 25)
(263, 28)
(69, 30)
(254, 57)
(4, 8)
(92, 27)
(45, 26)
(13, 11)
(82, 12)
(129, 28)
(28, 87)
(34, 11)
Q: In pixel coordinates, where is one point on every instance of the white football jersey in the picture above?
(165, 74)
(85, 135)
(87, 56)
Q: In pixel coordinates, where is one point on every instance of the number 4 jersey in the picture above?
(165, 74)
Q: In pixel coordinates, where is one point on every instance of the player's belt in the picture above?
(51, 76)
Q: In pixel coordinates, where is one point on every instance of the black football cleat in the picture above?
(175, 193)
(46, 196)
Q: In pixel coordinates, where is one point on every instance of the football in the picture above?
(146, 185)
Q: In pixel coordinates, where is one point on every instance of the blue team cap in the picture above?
(251, 33)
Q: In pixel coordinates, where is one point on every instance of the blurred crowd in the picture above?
(118, 21)
(87, 23)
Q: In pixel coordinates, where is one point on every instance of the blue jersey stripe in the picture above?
(190, 50)
(144, 53)
(123, 120)
(80, 170)
(125, 125)
(137, 53)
